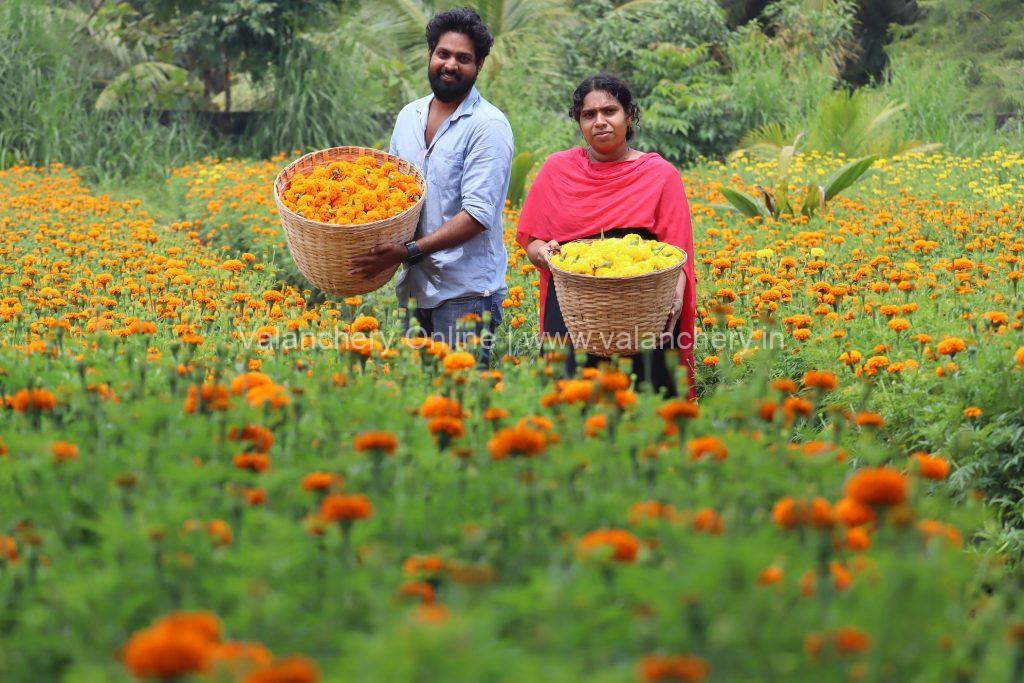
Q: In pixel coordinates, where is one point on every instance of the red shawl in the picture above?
(574, 197)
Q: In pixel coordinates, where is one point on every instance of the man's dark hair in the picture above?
(612, 85)
(462, 20)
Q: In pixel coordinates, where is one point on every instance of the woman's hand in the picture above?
(674, 313)
(540, 252)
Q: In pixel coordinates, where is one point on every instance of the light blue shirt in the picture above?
(467, 167)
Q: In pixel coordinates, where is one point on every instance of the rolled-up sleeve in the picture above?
(487, 168)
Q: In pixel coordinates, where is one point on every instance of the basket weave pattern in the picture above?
(322, 251)
(612, 315)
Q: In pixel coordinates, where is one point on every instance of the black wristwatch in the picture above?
(414, 255)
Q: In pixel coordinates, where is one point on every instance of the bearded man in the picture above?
(463, 145)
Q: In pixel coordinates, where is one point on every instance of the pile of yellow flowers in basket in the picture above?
(617, 257)
(352, 192)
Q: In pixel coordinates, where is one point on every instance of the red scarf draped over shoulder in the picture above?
(574, 197)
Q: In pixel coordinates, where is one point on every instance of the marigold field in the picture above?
(194, 486)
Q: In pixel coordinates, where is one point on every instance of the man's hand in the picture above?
(378, 259)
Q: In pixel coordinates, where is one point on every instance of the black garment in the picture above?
(658, 376)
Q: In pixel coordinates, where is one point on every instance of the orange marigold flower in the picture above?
(1018, 356)
(935, 529)
(595, 424)
(168, 649)
(708, 521)
(785, 385)
(220, 532)
(450, 426)
(820, 513)
(421, 590)
(685, 668)
(825, 381)
(576, 391)
(416, 565)
(670, 411)
(8, 549)
(431, 613)
(255, 497)
(932, 467)
(972, 412)
(857, 539)
(899, 324)
(869, 419)
(207, 397)
(707, 445)
(621, 545)
(613, 381)
(290, 670)
(339, 507)
(236, 656)
(381, 441)
(650, 510)
(877, 486)
(440, 406)
(851, 641)
(494, 414)
(787, 512)
(274, 394)
(625, 398)
(365, 323)
(260, 437)
(520, 440)
(64, 451)
(769, 576)
(320, 481)
(247, 381)
(254, 462)
(950, 346)
(37, 400)
(459, 360)
(853, 513)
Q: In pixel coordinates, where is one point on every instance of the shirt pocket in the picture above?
(446, 170)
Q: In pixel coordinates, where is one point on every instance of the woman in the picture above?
(609, 186)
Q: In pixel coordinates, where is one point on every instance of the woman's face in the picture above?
(603, 122)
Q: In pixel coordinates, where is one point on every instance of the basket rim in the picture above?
(561, 271)
(348, 226)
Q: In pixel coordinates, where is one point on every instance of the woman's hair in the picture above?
(613, 85)
(462, 20)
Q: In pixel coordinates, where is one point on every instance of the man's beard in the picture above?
(449, 92)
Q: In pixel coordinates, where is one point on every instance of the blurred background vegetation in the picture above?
(132, 88)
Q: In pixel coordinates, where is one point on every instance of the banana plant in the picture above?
(775, 201)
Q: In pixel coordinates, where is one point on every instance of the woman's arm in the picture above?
(539, 251)
(677, 302)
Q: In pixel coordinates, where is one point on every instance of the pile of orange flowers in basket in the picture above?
(352, 192)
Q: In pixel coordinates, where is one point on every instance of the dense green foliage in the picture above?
(706, 74)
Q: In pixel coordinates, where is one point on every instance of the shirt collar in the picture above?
(467, 107)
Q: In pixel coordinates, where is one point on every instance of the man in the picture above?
(463, 145)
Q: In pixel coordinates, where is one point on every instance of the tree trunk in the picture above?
(227, 82)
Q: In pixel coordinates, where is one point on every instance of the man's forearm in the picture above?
(461, 228)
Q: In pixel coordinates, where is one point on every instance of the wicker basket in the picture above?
(609, 316)
(323, 251)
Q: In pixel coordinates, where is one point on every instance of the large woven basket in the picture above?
(322, 251)
(609, 316)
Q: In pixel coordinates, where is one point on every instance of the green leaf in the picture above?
(522, 163)
(847, 176)
(744, 203)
